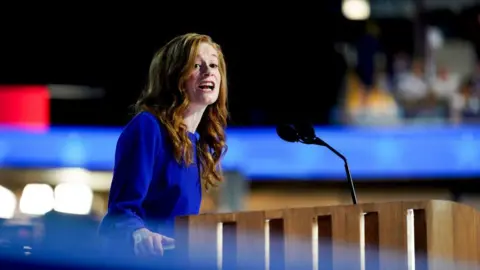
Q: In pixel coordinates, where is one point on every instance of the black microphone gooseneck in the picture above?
(305, 134)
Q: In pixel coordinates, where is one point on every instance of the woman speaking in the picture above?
(171, 150)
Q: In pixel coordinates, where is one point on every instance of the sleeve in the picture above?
(137, 149)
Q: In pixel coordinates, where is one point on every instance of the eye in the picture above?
(213, 65)
(196, 66)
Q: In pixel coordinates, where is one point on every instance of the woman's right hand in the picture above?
(147, 243)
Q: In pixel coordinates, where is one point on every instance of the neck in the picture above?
(192, 118)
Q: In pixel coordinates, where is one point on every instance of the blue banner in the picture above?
(398, 152)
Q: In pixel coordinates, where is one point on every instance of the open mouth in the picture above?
(207, 86)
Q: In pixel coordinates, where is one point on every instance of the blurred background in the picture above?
(394, 85)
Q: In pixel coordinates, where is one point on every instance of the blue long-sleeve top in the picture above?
(149, 187)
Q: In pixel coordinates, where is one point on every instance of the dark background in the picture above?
(281, 61)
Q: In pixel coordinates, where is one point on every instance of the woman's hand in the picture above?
(147, 243)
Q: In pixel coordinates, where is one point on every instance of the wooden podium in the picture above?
(393, 235)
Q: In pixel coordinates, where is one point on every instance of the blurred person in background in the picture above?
(412, 90)
(466, 102)
(367, 48)
(475, 81)
(170, 151)
(445, 85)
(400, 67)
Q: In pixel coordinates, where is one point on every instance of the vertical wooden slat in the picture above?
(182, 239)
(338, 237)
(202, 247)
(346, 237)
(298, 238)
(251, 240)
(465, 241)
(392, 223)
(477, 235)
(440, 235)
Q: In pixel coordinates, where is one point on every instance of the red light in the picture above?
(25, 106)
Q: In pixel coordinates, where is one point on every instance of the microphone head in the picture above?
(305, 130)
(287, 133)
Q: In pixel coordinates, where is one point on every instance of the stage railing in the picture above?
(393, 235)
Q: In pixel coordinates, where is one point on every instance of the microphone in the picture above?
(287, 133)
(305, 133)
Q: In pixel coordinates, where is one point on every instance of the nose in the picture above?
(206, 70)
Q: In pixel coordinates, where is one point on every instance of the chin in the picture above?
(209, 99)
(205, 99)
(209, 102)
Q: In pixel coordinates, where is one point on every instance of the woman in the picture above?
(172, 148)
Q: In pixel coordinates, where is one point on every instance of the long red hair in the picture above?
(166, 97)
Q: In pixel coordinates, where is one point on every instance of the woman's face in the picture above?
(203, 84)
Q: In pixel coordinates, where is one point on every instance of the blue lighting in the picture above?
(259, 153)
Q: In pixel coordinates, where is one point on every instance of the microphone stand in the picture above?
(318, 141)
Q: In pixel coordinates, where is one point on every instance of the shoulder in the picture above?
(143, 121)
(144, 126)
(144, 118)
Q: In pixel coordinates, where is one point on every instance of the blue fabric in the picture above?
(149, 187)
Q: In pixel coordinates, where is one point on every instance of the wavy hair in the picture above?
(165, 96)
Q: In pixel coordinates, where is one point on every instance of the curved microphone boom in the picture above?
(305, 133)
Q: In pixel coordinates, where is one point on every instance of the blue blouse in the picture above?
(149, 187)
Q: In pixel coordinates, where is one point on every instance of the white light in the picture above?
(8, 203)
(73, 175)
(435, 37)
(356, 9)
(37, 199)
(73, 198)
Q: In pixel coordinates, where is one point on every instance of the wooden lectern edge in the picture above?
(448, 231)
(326, 210)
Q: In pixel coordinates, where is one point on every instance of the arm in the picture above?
(138, 148)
